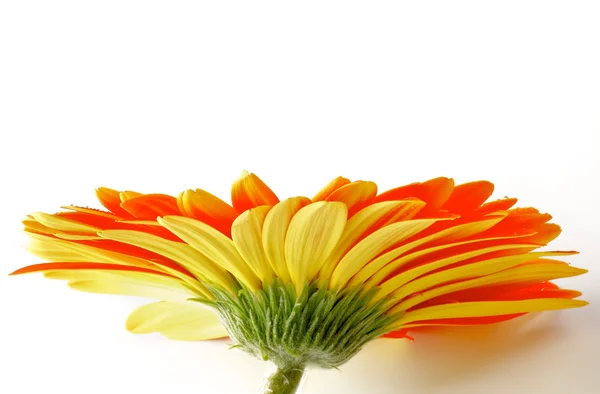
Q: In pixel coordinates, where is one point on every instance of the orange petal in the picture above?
(249, 191)
(110, 199)
(82, 266)
(468, 196)
(330, 188)
(355, 195)
(433, 192)
(494, 206)
(149, 206)
(207, 208)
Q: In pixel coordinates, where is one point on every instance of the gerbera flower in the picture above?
(308, 281)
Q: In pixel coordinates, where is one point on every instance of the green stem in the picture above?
(284, 380)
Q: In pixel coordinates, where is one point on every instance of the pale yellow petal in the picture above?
(372, 246)
(378, 269)
(189, 321)
(91, 211)
(366, 221)
(364, 274)
(138, 284)
(312, 235)
(274, 230)
(213, 245)
(486, 308)
(183, 254)
(246, 233)
(406, 283)
(62, 224)
(53, 249)
(540, 271)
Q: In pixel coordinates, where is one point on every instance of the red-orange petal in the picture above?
(330, 188)
(494, 206)
(150, 206)
(111, 200)
(468, 196)
(207, 208)
(54, 266)
(249, 191)
(433, 192)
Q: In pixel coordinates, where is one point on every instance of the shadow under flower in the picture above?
(444, 354)
(453, 359)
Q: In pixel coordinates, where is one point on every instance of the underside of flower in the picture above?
(321, 327)
(308, 281)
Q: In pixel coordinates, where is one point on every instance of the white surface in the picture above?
(163, 96)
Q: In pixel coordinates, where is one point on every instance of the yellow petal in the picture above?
(541, 271)
(480, 268)
(486, 308)
(274, 230)
(212, 244)
(379, 269)
(355, 195)
(249, 191)
(373, 245)
(406, 259)
(62, 224)
(53, 249)
(183, 254)
(138, 284)
(189, 321)
(367, 221)
(246, 233)
(312, 235)
(91, 211)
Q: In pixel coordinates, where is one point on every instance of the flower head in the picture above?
(308, 281)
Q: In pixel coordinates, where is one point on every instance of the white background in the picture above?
(163, 96)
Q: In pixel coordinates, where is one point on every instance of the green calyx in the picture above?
(320, 327)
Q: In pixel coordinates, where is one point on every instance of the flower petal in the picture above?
(433, 192)
(189, 321)
(427, 276)
(62, 224)
(330, 188)
(437, 252)
(274, 230)
(249, 191)
(312, 235)
(246, 233)
(214, 245)
(486, 308)
(379, 268)
(185, 255)
(468, 196)
(111, 200)
(54, 249)
(149, 206)
(115, 279)
(540, 271)
(207, 208)
(373, 245)
(494, 206)
(355, 195)
(367, 221)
